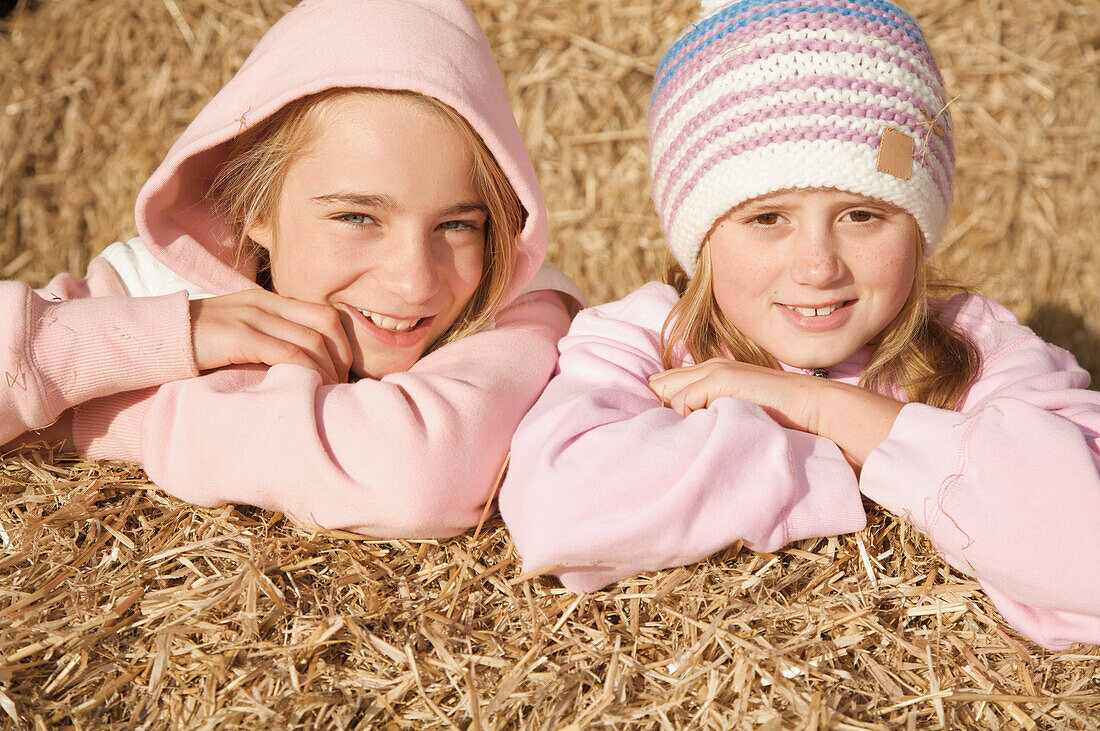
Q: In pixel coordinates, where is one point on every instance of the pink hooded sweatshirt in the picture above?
(413, 454)
(605, 482)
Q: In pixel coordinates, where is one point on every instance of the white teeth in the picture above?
(390, 323)
(815, 312)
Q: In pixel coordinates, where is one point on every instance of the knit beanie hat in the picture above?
(761, 96)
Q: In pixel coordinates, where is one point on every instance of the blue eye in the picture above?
(460, 226)
(355, 219)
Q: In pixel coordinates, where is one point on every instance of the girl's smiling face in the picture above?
(380, 217)
(812, 276)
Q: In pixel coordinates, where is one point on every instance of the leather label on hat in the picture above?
(895, 153)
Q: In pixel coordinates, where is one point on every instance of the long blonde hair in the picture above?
(916, 353)
(249, 182)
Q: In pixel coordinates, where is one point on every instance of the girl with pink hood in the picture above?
(337, 306)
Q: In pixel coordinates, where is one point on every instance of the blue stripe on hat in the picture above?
(664, 72)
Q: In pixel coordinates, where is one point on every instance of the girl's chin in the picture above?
(813, 358)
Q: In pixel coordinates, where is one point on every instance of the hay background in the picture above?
(120, 606)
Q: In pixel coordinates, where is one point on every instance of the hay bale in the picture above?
(123, 607)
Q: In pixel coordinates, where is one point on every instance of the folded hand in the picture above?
(257, 326)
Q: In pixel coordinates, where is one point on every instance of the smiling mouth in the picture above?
(818, 311)
(391, 324)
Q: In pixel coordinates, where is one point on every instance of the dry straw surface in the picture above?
(121, 607)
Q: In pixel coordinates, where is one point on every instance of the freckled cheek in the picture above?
(889, 271)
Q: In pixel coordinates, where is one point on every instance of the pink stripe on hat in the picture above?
(770, 24)
(671, 100)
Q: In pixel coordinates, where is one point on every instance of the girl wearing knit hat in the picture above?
(802, 356)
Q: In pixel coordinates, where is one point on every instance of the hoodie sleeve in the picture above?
(605, 483)
(415, 454)
(79, 339)
(1008, 487)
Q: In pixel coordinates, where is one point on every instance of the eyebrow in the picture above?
(384, 202)
(755, 207)
(752, 205)
(461, 208)
(389, 204)
(769, 204)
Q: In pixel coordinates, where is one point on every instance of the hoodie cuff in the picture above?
(110, 427)
(831, 504)
(924, 442)
(85, 349)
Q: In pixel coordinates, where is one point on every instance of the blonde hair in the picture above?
(916, 353)
(249, 182)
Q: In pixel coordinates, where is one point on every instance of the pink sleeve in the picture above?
(1008, 489)
(415, 454)
(110, 427)
(605, 483)
(80, 339)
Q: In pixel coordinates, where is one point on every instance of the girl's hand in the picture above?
(789, 398)
(257, 326)
(856, 419)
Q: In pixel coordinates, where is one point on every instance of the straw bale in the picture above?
(122, 607)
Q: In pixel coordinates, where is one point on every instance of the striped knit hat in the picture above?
(761, 96)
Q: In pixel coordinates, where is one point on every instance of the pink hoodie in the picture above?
(412, 454)
(605, 483)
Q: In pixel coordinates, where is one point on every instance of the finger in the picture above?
(671, 378)
(709, 384)
(693, 372)
(259, 346)
(665, 388)
(659, 388)
(336, 341)
(673, 373)
(256, 326)
(339, 348)
(273, 351)
(312, 327)
(287, 341)
(324, 320)
(668, 382)
(686, 400)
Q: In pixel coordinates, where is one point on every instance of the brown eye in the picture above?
(861, 216)
(768, 219)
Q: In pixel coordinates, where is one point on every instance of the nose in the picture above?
(816, 261)
(413, 269)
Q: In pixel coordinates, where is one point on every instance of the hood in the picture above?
(434, 47)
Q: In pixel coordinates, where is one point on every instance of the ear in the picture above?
(262, 233)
